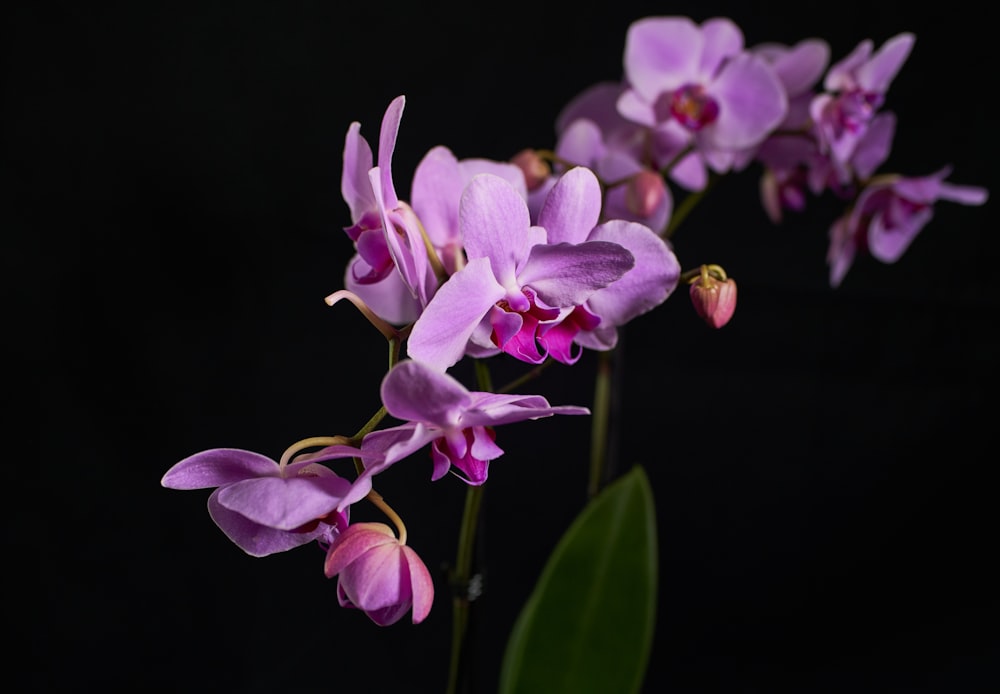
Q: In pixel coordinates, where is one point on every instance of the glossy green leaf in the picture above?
(588, 624)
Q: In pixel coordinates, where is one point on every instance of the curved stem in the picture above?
(376, 498)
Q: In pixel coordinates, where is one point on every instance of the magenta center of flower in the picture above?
(693, 108)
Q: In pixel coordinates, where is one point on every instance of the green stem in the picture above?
(462, 572)
(460, 584)
(687, 204)
(599, 422)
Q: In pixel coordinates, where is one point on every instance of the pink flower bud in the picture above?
(644, 192)
(379, 575)
(536, 170)
(714, 300)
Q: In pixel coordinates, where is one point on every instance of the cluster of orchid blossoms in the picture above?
(551, 252)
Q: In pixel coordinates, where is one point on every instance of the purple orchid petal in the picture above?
(512, 173)
(413, 391)
(565, 275)
(647, 285)
(218, 466)
(362, 538)
(494, 218)
(354, 185)
(421, 585)
(661, 55)
(890, 232)
(581, 143)
(386, 146)
(253, 538)
(722, 39)
(799, 67)
(441, 333)
(517, 408)
(840, 76)
(752, 103)
(597, 104)
(572, 208)
(878, 73)
(389, 298)
(437, 188)
(284, 503)
(874, 148)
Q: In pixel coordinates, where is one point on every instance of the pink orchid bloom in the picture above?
(391, 272)
(855, 90)
(514, 280)
(696, 84)
(888, 215)
(440, 411)
(379, 574)
(265, 507)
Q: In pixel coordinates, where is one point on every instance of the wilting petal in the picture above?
(386, 146)
(878, 73)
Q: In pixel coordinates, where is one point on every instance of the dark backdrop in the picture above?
(823, 467)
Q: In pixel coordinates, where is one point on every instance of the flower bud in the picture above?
(714, 300)
(536, 170)
(644, 192)
(379, 574)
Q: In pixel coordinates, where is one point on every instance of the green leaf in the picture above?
(588, 624)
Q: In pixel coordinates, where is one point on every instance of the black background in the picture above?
(823, 467)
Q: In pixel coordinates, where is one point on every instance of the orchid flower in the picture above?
(263, 506)
(379, 574)
(888, 215)
(440, 411)
(696, 85)
(855, 89)
(514, 280)
(391, 271)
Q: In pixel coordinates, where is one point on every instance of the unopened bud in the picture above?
(536, 170)
(644, 192)
(713, 299)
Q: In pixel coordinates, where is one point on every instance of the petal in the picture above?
(722, 40)
(441, 333)
(661, 54)
(596, 103)
(253, 538)
(565, 275)
(752, 103)
(389, 298)
(353, 543)
(217, 467)
(581, 143)
(877, 74)
(494, 220)
(415, 392)
(386, 146)
(647, 285)
(421, 585)
(572, 208)
(497, 409)
(285, 504)
(354, 185)
(801, 67)
(437, 188)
